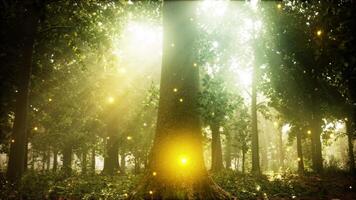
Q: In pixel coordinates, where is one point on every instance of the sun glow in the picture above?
(183, 160)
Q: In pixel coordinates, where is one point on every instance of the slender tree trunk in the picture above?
(33, 160)
(137, 165)
(264, 156)
(316, 143)
(254, 141)
(84, 162)
(350, 134)
(243, 161)
(43, 161)
(280, 149)
(176, 165)
(19, 134)
(300, 153)
(92, 163)
(228, 151)
(55, 160)
(123, 162)
(48, 159)
(216, 151)
(26, 156)
(67, 160)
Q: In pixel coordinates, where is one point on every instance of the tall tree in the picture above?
(176, 168)
(29, 16)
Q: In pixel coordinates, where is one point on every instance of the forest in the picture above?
(170, 99)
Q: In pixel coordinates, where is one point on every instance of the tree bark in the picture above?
(176, 165)
(300, 153)
(280, 149)
(254, 138)
(137, 165)
(84, 162)
(25, 163)
(243, 161)
(55, 160)
(316, 144)
(19, 134)
(67, 160)
(111, 160)
(111, 156)
(228, 151)
(92, 163)
(48, 159)
(122, 162)
(216, 151)
(350, 130)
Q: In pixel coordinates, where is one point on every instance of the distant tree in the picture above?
(216, 105)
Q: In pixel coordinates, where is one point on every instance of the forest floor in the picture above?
(272, 186)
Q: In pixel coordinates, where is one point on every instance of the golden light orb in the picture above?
(309, 132)
(12, 141)
(298, 159)
(319, 32)
(195, 64)
(129, 138)
(49, 99)
(279, 6)
(180, 100)
(175, 90)
(35, 128)
(111, 99)
(154, 173)
(151, 192)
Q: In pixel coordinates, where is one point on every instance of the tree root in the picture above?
(204, 188)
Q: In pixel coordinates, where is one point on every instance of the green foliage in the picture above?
(54, 186)
(287, 186)
(335, 184)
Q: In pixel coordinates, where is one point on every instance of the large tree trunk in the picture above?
(216, 151)
(317, 159)
(19, 134)
(111, 156)
(67, 160)
(176, 165)
(300, 153)
(228, 151)
(111, 159)
(350, 130)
